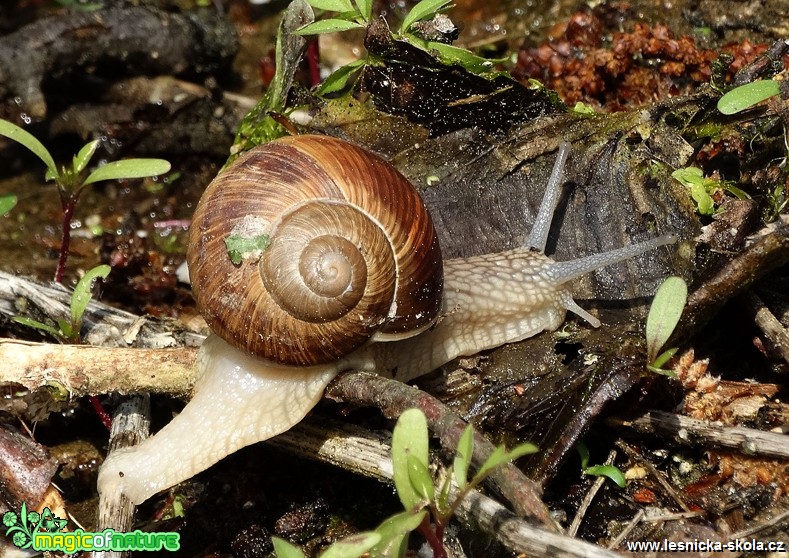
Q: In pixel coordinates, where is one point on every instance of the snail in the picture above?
(383, 301)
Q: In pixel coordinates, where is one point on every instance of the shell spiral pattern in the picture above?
(352, 252)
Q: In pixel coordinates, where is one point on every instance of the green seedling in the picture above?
(357, 14)
(609, 471)
(777, 202)
(663, 318)
(72, 180)
(746, 96)
(68, 330)
(428, 506)
(702, 188)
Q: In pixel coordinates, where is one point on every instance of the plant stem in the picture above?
(68, 203)
(313, 61)
(435, 543)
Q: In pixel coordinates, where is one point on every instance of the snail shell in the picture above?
(352, 253)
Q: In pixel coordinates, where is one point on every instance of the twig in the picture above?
(394, 397)
(587, 501)
(673, 516)
(773, 330)
(766, 253)
(694, 432)
(627, 530)
(86, 370)
(130, 426)
(779, 519)
(353, 448)
(635, 456)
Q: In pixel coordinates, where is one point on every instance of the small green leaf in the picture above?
(240, 248)
(497, 458)
(14, 132)
(365, 8)
(7, 203)
(664, 357)
(526, 448)
(501, 456)
(748, 95)
(353, 546)
(609, 471)
(82, 294)
(394, 533)
(66, 329)
(442, 501)
(84, 156)
(284, 549)
(328, 26)
(331, 5)
(456, 55)
(339, 78)
(662, 371)
(409, 438)
(420, 478)
(702, 198)
(463, 456)
(423, 10)
(38, 325)
(583, 109)
(664, 314)
(734, 190)
(583, 452)
(128, 168)
(689, 175)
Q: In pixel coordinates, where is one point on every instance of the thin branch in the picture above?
(589, 498)
(658, 476)
(767, 252)
(86, 370)
(130, 426)
(773, 330)
(627, 530)
(694, 432)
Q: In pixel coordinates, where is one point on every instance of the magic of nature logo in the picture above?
(45, 532)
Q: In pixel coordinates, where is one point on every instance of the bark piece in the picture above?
(134, 40)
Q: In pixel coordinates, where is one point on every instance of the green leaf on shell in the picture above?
(240, 248)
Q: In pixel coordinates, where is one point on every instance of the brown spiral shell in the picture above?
(352, 253)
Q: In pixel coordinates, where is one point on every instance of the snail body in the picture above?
(273, 353)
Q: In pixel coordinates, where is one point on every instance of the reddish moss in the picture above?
(632, 68)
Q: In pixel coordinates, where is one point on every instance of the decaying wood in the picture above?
(773, 330)
(137, 39)
(693, 432)
(102, 324)
(768, 251)
(87, 370)
(130, 426)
